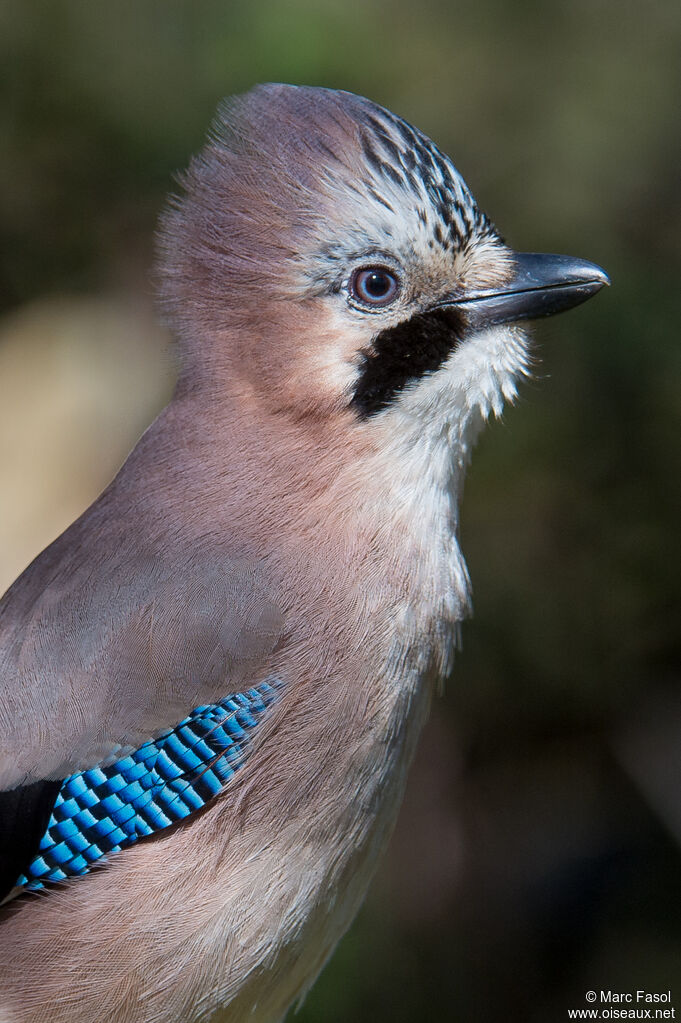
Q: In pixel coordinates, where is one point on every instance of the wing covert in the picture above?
(97, 659)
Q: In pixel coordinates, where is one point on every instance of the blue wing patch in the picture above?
(105, 809)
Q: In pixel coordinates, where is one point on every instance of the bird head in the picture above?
(328, 261)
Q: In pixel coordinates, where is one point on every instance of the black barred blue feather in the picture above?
(105, 809)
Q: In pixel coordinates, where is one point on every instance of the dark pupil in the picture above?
(377, 285)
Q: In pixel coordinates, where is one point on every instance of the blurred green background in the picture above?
(537, 855)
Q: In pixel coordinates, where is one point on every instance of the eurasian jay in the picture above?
(213, 682)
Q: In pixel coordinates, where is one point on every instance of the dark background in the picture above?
(537, 855)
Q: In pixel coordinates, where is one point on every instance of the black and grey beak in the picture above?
(542, 285)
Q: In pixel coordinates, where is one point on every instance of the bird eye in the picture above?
(374, 285)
